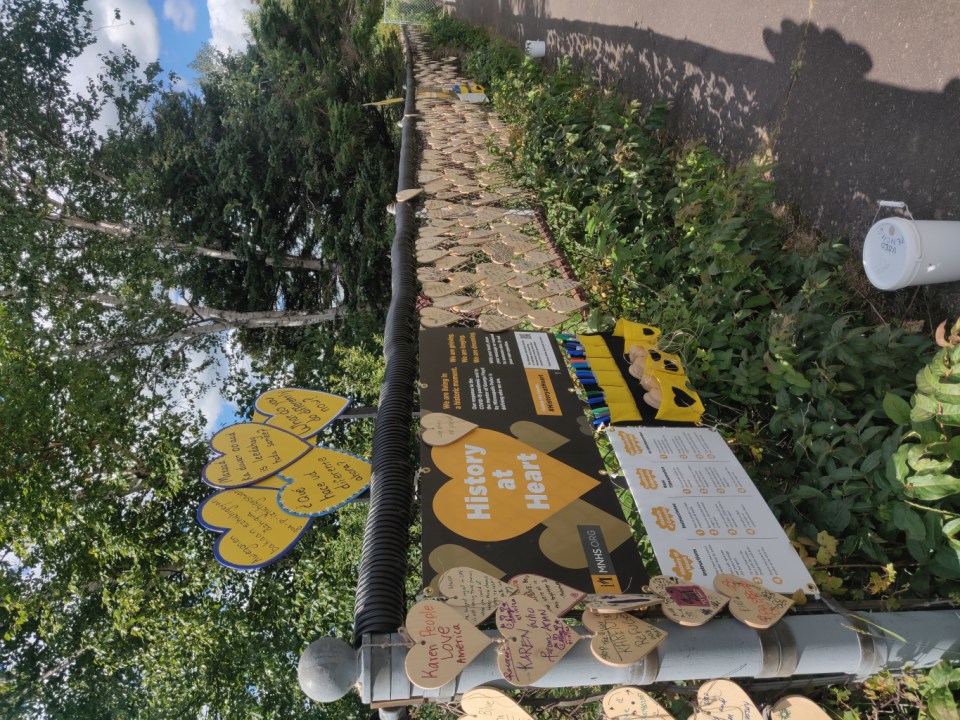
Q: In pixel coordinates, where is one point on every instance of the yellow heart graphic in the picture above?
(301, 412)
(256, 531)
(500, 487)
(323, 480)
(250, 452)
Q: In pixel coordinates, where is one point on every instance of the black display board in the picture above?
(520, 487)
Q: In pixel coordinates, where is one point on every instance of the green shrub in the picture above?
(780, 350)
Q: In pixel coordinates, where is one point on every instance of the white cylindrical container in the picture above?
(536, 48)
(899, 252)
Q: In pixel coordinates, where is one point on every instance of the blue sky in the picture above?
(178, 43)
(171, 31)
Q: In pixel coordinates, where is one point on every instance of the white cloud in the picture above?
(228, 23)
(136, 28)
(181, 13)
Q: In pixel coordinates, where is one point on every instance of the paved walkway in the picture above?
(858, 101)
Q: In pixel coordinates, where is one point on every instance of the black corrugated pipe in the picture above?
(380, 605)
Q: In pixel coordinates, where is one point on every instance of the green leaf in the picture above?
(907, 519)
(941, 705)
(896, 408)
(952, 527)
(805, 492)
(946, 563)
(932, 487)
(924, 408)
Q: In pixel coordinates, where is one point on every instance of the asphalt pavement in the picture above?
(858, 101)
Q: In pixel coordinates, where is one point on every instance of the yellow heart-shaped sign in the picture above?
(301, 412)
(250, 452)
(256, 530)
(323, 480)
(500, 487)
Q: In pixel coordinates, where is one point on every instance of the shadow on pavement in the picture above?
(841, 141)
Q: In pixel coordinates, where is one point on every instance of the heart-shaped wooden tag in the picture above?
(473, 305)
(441, 429)
(323, 480)
(451, 301)
(250, 452)
(485, 703)
(407, 195)
(529, 488)
(553, 595)
(683, 604)
(630, 703)
(473, 593)
(302, 412)
(797, 707)
(255, 529)
(546, 318)
(432, 317)
(750, 603)
(620, 603)
(444, 644)
(534, 640)
(620, 639)
(564, 304)
(724, 700)
(497, 323)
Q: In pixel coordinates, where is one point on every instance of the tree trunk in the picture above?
(124, 231)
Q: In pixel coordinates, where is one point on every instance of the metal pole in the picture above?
(820, 647)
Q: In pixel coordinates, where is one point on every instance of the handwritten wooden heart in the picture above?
(485, 703)
(444, 644)
(323, 480)
(249, 452)
(255, 529)
(797, 707)
(630, 703)
(674, 607)
(441, 429)
(530, 487)
(302, 412)
(750, 603)
(620, 639)
(724, 700)
(621, 603)
(554, 596)
(534, 640)
(473, 593)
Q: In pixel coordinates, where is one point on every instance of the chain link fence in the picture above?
(409, 12)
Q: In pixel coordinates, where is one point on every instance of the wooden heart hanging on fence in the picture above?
(534, 640)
